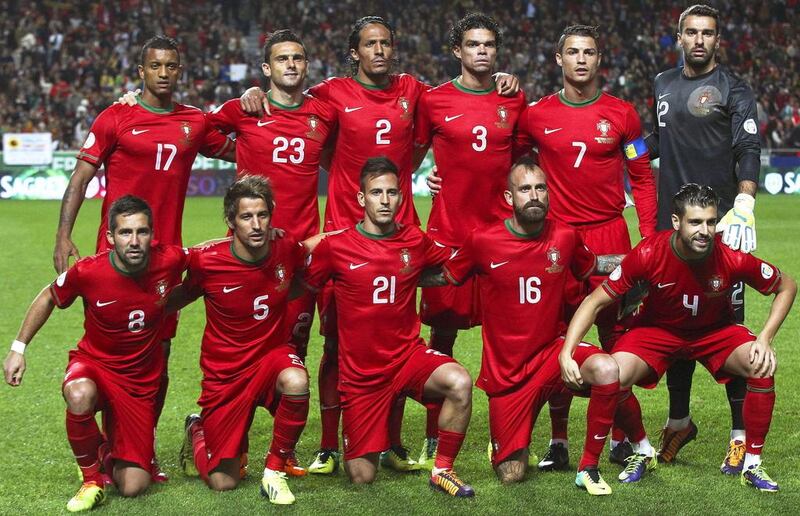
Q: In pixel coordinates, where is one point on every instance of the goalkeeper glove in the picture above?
(738, 226)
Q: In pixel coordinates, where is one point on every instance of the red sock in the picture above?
(599, 417)
(629, 416)
(199, 450)
(161, 395)
(757, 411)
(85, 438)
(396, 422)
(432, 421)
(559, 414)
(449, 446)
(290, 419)
(329, 401)
(443, 343)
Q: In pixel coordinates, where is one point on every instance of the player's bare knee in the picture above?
(221, 482)
(80, 395)
(130, 479)
(293, 380)
(362, 474)
(459, 385)
(602, 370)
(130, 489)
(512, 470)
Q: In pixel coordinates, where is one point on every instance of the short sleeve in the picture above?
(461, 263)
(759, 274)
(423, 126)
(626, 275)
(101, 140)
(67, 286)
(319, 266)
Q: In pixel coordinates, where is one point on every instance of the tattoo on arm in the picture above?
(748, 187)
(607, 263)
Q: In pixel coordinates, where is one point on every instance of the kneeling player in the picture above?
(687, 315)
(246, 358)
(118, 363)
(523, 264)
(375, 267)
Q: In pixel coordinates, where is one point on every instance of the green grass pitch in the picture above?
(38, 474)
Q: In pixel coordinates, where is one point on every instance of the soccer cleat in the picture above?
(397, 458)
(556, 458)
(428, 455)
(186, 455)
(274, 487)
(591, 480)
(758, 478)
(326, 462)
(89, 496)
(156, 474)
(672, 441)
(734, 459)
(293, 467)
(620, 452)
(638, 465)
(106, 463)
(449, 482)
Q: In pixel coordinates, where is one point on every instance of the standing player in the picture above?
(147, 150)
(706, 132)
(688, 314)
(118, 362)
(375, 267)
(375, 115)
(585, 138)
(471, 128)
(524, 264)
(246, 359)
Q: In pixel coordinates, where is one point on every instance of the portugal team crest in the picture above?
(186, 129)
(554, 255)
(313, 125)
(405, 259)
(404, 105)
(161, 288)
(502, 115)
(604, 126)
(280, 275)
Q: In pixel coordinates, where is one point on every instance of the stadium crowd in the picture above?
(63, 63)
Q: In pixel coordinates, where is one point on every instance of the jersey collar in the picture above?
(674, 237)
(587, 102)
(125, 273)
(373, 86)
(463, 88)
(284, 106)
(153, 109)
(373, 236)
(524, 236)
(249, 262)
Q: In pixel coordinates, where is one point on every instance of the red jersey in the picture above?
(245, 304)
(522, 279)
(372, 122)
(472, 134)
(692, 295)
(123, 313)
(149, 152)
(583, 148)
(285, 148)
(375, 285)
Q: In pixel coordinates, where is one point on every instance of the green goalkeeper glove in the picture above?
(738, 226)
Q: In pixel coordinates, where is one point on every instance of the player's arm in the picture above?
(652, 140)
(434, 277)
(579, 326)
(179, 297)
(70, 206)
(506, 84)
(643, 184)
(607, 263)
(38, 313)
(254, 102)
(761, 352)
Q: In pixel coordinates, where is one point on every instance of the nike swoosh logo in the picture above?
(351, 109)
(354, 266)
(135, 132)
(262, 124)
(600, 437)
(99, 304)
(451, 118)
(227, 290)
(665, 285)
(757, 445)
(496, 265)
(548, 131)
(664, 95)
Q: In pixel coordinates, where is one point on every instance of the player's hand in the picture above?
(763, 358)
(254, 102)
(129, 98)
(570, 372)
(64, 249)
(14, 368)
(507, 84)
(738, 226)
(276, 233)
(434, 182)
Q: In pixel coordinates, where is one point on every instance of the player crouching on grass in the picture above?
(523, 264)
(375, 267)
(245, 357)
(118, 363)
(687, 315)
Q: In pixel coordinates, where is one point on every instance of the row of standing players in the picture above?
(472, 128)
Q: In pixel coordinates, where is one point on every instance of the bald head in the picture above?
(527, 192)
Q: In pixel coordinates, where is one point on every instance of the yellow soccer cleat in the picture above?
(326, 462)
(186, 455)
(428, 455)
(397, 458)
(275, 487)
(590, 480)
(89, 496)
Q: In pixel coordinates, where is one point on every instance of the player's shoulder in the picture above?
(93, 262)
(734, 81)
(210, 250)
(659, 242)
(611, 100)
(668, 76)
(185, 110)
(405, 79)
(168, 255)
(446, 88)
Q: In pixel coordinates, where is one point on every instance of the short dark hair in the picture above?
(474, 21)
(692, 194)
(281, 36)
(250, 186)
(128, 205)
(587, 31)
(699, 10)
(355, 36)
(376, 167)
(525, 162)
(159, 42)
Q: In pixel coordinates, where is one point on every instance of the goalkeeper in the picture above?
(705, 131)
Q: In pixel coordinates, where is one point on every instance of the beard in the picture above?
(526, 214)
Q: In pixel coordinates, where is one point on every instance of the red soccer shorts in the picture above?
(229, 405)
(365, 416)
(456, 308)
(128, 414)
(659, 348)
(513, 414)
